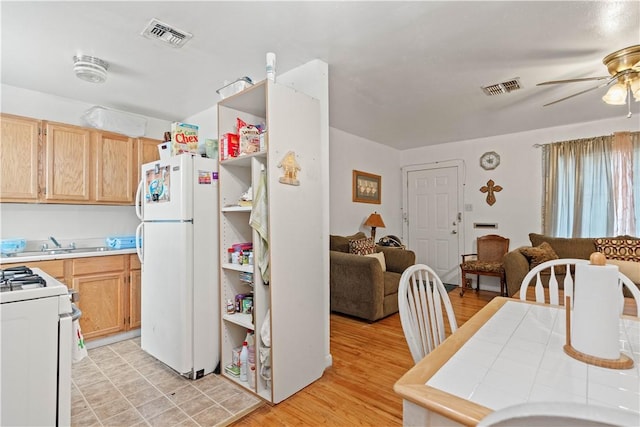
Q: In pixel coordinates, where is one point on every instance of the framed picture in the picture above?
(367, 187)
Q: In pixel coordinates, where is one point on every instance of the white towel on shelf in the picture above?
(259, 221)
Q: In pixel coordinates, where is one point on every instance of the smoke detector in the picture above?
(167, 34)
(90, 68)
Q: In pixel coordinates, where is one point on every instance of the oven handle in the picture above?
(76, 313)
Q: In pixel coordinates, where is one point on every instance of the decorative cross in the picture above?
(490, 188)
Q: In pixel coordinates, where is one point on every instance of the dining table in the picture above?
(509, 353)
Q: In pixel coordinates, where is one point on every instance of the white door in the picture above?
(432, 214)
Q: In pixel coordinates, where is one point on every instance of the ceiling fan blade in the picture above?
(586, 79)
(581, 92)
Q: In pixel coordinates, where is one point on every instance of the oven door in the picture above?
(29, 373)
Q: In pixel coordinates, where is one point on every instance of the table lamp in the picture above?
(374, 220)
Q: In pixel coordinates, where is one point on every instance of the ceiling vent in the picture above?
(504, 87)
(165, 33)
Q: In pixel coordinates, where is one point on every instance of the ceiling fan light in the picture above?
(616, 95)
(90, 68)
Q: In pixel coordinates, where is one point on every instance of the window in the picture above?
(592, 186)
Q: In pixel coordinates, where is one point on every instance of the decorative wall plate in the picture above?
(489, 160)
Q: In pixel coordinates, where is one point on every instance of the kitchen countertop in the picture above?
(90, 247)
(78, 253)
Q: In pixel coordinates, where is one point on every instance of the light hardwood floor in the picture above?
(368, 358)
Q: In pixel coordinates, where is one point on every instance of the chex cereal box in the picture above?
(184, 138)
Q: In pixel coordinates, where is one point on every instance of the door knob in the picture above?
(454, 232)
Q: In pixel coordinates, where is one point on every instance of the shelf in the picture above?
(240, 319)
(236, 209)
(243, 160)
(247, 268)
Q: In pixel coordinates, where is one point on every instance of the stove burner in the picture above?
(18, 278)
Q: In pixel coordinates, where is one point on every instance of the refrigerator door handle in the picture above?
(138, 242)
(139, 200)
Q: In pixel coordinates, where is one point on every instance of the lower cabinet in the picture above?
(101, 283)
(135, 295)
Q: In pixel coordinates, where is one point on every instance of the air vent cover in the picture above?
(504, 87)
(166, 33)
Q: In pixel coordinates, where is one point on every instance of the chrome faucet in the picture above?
(55, 242)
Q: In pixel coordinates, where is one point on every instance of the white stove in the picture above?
(36, 337)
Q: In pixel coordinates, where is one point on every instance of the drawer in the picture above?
(101, 264)
(134, 262)
(54, 268)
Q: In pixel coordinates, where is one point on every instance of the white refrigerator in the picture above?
(177, 202)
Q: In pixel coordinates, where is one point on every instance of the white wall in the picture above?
(518, 207)
(349, 152)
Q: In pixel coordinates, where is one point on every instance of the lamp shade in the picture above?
(616, 95)
(374, 220)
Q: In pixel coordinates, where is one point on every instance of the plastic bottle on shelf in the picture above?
(251, 347)
(244, 362)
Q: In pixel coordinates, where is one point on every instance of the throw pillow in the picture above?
(380, 257)
(628, 268)
(362, 246)
(539, 254)
(620, 249)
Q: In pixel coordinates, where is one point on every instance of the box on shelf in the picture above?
(232, 370)
(229, 146)
(184, 138)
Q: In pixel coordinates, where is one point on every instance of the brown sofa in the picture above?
(516, 265)
(358, 285)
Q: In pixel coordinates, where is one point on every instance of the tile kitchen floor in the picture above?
(121, 385)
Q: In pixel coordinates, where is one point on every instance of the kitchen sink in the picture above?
(59, 251)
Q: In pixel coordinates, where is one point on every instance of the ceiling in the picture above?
(404, 74)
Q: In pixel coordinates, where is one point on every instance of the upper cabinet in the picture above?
(19, 158)
(115, 164)
(67, 155)
(48, 162)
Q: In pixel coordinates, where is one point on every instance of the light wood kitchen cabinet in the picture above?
(114, 168)
(135, 295)
(49, 162)
(147, 152)
(101, 283)
(67, 166)
(19, 159)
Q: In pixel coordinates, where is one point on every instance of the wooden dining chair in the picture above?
(564, 269)
(421, 298)
(486, 262)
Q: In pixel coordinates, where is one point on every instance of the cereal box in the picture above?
(184, 138)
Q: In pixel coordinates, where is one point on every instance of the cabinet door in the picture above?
(102, 303)
(147, 152)
(114, 174)
(19, 159)
(135, 287)
(67, 163)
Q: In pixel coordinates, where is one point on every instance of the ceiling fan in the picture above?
(624, 69)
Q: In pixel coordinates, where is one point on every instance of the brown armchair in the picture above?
(487, 262)
(358, 285)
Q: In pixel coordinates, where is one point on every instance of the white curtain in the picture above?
(592, 186)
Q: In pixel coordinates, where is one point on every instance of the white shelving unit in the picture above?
(294, 292)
